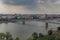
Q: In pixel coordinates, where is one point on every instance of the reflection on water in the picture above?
(24, 31)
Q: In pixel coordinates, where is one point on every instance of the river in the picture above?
(25, 31)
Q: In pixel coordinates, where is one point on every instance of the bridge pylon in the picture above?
(23, 22)
(46, 25)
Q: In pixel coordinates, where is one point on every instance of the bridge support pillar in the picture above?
(46, 25)
(23, 22)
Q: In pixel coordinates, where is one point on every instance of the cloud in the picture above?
(57, 2)
(29, 4)
(51, 1)
(20, 2)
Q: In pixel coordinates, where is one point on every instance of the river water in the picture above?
(25, 31)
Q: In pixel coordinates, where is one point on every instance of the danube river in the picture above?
(25, 31)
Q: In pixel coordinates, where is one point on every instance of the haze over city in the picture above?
(29, 6)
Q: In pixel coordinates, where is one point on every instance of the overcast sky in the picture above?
(29, 6)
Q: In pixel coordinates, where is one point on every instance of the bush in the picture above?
(58, 28)
(7, 36)
(46, 37)
(35, 36)
(17, 38)
(40, 35)
(49, 32)
(30, 38)
(58, 39)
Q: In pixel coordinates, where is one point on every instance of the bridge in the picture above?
(24, 19)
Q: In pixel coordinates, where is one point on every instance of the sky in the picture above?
(29, 6)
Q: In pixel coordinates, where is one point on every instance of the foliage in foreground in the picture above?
(44, 37)
(7, 36)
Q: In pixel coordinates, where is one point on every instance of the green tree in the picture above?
(11, 38)
(58, 28)
(17, 38)
(35, 36)
(30, 38)
(8, 35)
(49, 32)
(2, 36)
(57, 37)
(40, 35)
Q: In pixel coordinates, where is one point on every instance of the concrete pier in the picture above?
(46, 25)
(23, 22)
